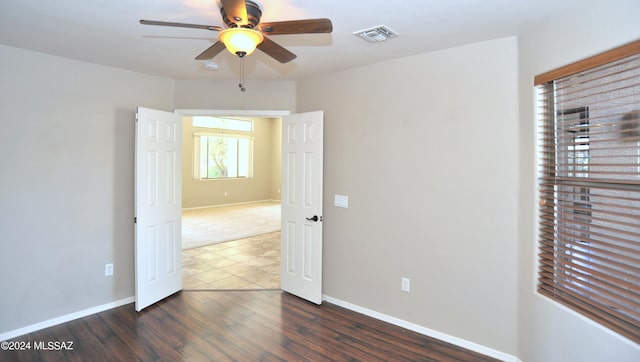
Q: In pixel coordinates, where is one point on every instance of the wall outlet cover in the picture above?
(406, 285)
(108, 269)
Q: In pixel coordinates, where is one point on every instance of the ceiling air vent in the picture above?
(376, 34)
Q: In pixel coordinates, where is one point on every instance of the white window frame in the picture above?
(197, 151)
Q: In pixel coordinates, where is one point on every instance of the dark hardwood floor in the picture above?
(266, 325)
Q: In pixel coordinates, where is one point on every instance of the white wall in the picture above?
(66, 188)
(548, 332)
(426, 149)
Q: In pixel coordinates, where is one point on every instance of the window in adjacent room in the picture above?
(589, 257)
(229, 124)
(225, 150)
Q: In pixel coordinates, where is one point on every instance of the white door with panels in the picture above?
(301, 244)
(158, 203)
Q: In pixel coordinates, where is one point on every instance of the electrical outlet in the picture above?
(108, 269)
(406, 285)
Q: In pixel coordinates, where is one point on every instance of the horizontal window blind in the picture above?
(589, 222)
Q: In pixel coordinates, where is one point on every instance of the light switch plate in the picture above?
(341, 201)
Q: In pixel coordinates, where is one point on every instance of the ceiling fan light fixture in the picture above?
(241, 41)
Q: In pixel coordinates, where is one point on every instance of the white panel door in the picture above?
(301, 251)
(158, 203)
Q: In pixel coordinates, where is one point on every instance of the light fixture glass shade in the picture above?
(241, 41)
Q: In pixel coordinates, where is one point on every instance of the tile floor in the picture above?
(250, 263)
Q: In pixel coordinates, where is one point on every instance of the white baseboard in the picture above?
(368, 312)
(423, 330)
(65, 318)
(235, 204)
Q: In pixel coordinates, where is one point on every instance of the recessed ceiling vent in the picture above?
(376, 34)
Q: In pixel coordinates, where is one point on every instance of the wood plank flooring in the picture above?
(266, 325)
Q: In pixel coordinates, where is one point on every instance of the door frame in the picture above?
(234, 112)
(231, 112)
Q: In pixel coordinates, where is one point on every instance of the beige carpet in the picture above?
(224, 223)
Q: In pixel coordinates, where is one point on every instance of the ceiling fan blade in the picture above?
(212, 51)
(180, 25)
(306, 26)
(276, 51)
(236, 11)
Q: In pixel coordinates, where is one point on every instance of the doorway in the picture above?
(230, 241)
(158, 239)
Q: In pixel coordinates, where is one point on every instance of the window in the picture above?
(576, 156)
(589, 222)
(226, 152)
(229, 124)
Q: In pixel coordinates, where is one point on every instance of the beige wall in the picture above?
(546, 330)
(266, 171)
(222, 95)
(66, 187)
(424, 148)
(276, 159)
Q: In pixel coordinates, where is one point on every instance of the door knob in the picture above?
(315, 218)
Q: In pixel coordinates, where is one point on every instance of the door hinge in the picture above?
(135, 220)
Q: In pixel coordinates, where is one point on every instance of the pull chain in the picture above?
(241, 84)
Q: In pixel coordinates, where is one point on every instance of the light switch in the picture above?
(341, 201)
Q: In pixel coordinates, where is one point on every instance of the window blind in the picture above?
(589, 221)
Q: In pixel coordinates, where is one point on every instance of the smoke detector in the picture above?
(210, 65)
(376, 34)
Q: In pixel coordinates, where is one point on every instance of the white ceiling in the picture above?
(108, 32)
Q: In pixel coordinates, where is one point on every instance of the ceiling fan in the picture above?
(245, 33)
